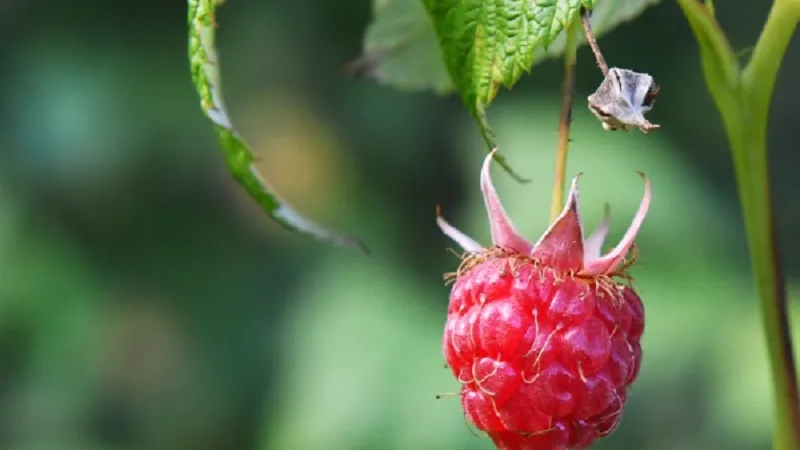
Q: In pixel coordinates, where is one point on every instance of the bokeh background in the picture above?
(146, 303)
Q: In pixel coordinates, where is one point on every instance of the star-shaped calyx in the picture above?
(562, 246)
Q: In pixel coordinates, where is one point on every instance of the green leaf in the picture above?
(606, 15)
(486, 44)
(238, 156)
(474, 45)
(401, 50)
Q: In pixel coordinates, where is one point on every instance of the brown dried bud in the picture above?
(622, 99)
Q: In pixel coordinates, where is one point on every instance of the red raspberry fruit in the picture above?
(543, 337)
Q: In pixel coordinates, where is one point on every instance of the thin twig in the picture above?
(564, 121)
(598, 55)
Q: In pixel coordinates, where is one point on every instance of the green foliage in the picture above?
(488, 44)
(742, 98)
(238, 156)
(401, 50)
(474, 46)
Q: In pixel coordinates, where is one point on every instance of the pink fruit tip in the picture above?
(562, 246)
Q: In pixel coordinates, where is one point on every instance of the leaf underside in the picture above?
(401, 49)
(474, 46)
(238, 156)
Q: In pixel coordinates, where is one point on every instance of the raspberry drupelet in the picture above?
(544, 337)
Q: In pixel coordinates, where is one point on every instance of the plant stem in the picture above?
(768, 55)
(752, 175)
(743, 98)
(749, 145)
(598, 55)
(710, 7)
(564, 120)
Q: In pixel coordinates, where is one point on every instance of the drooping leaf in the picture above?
(238, 156)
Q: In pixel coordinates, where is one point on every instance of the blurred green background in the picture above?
(146, 303)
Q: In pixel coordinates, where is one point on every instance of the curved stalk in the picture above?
(743, 98)
(752, 174)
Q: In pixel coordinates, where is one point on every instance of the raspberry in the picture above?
(544, 338)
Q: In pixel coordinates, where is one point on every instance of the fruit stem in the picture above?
(564, 120)
(598, 55)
